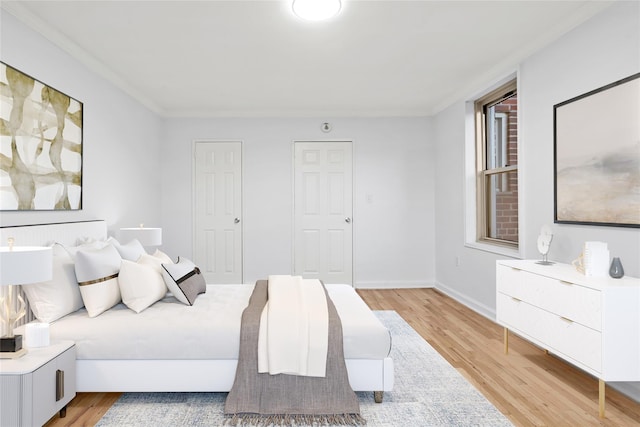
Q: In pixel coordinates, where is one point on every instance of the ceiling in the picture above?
(256, 59)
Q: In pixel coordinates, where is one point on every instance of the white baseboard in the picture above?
(393, 285)
(474, 305)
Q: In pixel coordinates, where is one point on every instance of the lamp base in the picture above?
(10, 344)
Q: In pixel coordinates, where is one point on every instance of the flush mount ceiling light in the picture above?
(316, 10)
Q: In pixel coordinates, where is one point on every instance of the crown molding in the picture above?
(24, 15)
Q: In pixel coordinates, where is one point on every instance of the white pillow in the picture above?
(59, 296)
(163, 257)
(85, 240)
(97, 274)
(73, 250)
(140, 284)
(131, 251)
(151, 261)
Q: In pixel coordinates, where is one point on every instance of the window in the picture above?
(496, 124)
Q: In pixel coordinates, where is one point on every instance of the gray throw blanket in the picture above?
(264, 399)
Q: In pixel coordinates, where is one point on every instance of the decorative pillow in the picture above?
(84, 240)
(140, 284)
(73, 250)
(155, 261)
(59, 296)
(184, 280)
(163, 257)
(131, 251)
(97, 274)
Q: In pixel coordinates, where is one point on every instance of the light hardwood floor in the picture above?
(530, 387)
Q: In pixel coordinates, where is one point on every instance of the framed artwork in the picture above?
(597, 156)
(40, 145)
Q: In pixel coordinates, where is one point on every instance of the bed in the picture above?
(173, 347)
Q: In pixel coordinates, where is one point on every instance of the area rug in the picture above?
(428, 392)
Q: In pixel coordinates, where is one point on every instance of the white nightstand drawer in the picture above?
(54, 386)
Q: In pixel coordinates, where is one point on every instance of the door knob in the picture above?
(237, 220)
(347, 220)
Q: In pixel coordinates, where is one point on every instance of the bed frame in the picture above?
(169, 375)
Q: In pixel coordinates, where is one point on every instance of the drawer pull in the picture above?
(566, 319)
(564, 282)
(59, 385)
(516, 299)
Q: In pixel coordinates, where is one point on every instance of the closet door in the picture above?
(323, 190)
(218, 210)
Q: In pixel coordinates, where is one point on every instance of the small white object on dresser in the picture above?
(591, 322)
(37, 385)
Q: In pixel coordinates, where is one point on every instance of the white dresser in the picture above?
(591, 322)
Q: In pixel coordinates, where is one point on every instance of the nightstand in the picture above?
(37, 385)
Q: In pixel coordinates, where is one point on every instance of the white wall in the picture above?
(137, 168)
(120, 137)
(601, 51)
(393, 162)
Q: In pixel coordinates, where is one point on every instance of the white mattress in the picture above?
(210, 329)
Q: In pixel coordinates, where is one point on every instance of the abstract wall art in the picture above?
(597, 156)
(40, 145)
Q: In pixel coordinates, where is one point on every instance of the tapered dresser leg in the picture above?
(377, 396)
(506, 340)
(601, 397)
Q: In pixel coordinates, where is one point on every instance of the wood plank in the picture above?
(85, 409)
(530, 387)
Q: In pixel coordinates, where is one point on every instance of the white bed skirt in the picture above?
(202, 375)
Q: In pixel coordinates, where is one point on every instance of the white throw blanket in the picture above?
(294, 328)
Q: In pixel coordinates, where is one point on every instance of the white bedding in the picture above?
(208, 330)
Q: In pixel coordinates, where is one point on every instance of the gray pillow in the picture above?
(184, 280)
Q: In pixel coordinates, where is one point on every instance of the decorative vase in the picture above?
(616, 271)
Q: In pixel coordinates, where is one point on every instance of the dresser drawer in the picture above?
(577, 303)
(568, 339)
(576, 341)
(520, 316)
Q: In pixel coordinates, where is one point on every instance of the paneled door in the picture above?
(218, 210)
(323, 222)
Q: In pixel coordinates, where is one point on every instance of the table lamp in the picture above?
(19, 265)
(147, 236)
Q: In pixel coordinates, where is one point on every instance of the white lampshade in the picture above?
(147, 236)
(22, 265)
(316, 10)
